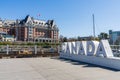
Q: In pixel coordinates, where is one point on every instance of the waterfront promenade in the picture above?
(53, 69)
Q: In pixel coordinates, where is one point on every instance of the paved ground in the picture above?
(52, 69)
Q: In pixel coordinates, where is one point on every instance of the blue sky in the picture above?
(73, 17)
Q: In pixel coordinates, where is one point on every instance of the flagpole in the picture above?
(93, 25)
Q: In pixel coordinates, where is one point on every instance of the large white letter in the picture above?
(63, 46)
(90, 48)
(74, 47)
(82, 48)
(104, 49)
(68, 48)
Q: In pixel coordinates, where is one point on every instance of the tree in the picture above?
(79, 38)
(65, 39)
(103, 35)
(117, 42)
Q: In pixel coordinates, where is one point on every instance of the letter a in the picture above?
(104, 49)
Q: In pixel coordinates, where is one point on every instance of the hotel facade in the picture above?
(30, 29)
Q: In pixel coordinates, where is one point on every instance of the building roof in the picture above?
(26, 20)
(9, 22)
(30, 21)
(114, 31)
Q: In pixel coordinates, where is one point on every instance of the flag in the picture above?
(38, 14)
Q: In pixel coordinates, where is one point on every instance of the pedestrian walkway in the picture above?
(52, 69)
